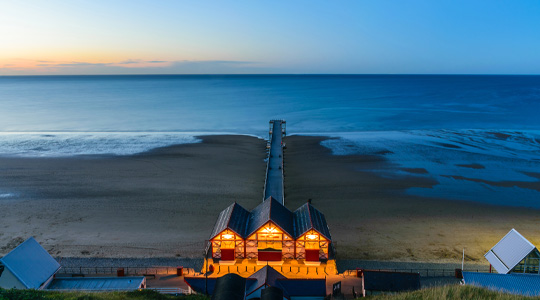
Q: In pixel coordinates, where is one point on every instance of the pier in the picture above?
(273, 184)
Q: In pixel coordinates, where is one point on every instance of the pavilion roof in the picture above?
(234, 218)
(245, 223)
(307, 217)
(271, 210)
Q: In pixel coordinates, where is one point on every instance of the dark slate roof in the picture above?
(271, 210)
(307, 217)
(267, 275)
(290, 287)
(30, 264)
(272, 293)
(229, 287)
(303, 287)
(244, 223)
(519, 284)
(390, 281)
(198, 284)
(234, 217)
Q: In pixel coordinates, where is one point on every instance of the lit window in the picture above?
(312, 236)
(270, 229)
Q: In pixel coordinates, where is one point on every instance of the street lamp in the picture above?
(206, 267)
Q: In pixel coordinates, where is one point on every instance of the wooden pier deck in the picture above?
(273, 185)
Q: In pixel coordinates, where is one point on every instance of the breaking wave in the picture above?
(59, 144)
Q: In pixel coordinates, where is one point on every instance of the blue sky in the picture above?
(193, 37)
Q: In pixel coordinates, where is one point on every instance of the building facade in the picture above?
(270, 232)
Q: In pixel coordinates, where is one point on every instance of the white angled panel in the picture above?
(496, 263)
(509, 251)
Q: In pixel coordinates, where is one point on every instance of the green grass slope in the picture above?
(47, 295)
(451, 292)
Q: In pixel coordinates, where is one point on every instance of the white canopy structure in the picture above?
(514, 254)
(28, 266)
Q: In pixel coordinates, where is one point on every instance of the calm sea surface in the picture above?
(244, 104)
(477, 136)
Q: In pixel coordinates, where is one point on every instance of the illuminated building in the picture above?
(271, 233)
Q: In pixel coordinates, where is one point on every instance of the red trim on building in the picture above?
(227, 254)
(269, 255)
(312, 254)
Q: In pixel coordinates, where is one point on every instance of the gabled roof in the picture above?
(307, 217)
(30, 264)
(265, 276)
(234, 217)
(515, 283)
(270, 210)
(201, 284)
(509, 251)
(290, 287)
(302, 287)
(229, 287)
(272, 293)
(245, 223)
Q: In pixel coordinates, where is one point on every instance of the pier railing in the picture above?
(424, 272)
(149, 271)
(128, 271)
(274, 125)
(246, 271)
(268, 147)
(171, 291)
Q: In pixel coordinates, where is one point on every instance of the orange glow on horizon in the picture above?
(52, 64)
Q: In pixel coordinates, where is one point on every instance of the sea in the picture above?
(478, 136)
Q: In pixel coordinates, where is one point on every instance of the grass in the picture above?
(451, 292)
(48, 295)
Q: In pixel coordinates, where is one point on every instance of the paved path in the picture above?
(274, 175)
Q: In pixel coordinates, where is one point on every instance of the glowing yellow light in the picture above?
(228, 236)
(312, 236)
(270, 229)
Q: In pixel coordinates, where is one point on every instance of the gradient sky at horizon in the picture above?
(197, 37)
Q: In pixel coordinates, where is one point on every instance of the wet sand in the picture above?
(372, 217)
(164, 203)
(158, 204)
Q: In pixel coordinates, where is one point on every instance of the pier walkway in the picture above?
(273, 185)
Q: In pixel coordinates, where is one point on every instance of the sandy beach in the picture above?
(161, 203)
(371, 216)
(164, 203)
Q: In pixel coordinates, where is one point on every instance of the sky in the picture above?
(276, 37)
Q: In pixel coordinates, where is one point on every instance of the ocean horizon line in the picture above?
(303, 132)
(269, 74)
